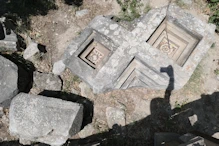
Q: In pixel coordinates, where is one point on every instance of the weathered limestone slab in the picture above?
(107, 56)
(42, 119)
(31, 50)
(8, 39)
(47, 81)
(8, 79)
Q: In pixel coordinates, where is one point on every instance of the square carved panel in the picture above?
(95, 54)
(175, 42)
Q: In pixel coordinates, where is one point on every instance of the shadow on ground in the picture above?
(162, 119)
(21, 10)
(74, 2)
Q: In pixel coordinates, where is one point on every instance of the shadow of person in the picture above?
(22, 10)
(160, 107)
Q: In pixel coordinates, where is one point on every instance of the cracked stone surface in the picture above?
(47, 81)
(48, 120)
(107, 56)
(8, 79)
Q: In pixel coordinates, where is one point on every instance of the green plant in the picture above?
(216, 71)
(69, 83)
(214, 1)
(180, 3)
(177, 105)
(147, 8)
(180, 105)
(213, 45)
(76, 79)
(130, 9)
(214, 17)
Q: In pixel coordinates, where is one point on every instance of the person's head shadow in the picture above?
(170, 72)
(161, 106)
(87, 104)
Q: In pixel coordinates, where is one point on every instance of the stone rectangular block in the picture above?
(108, 56)
(8, 79)
(48, 120)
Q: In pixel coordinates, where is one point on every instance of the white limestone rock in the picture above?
(47, 81)
(58, 67)
(42, 119)
(8, 79)
(31, 50)
(81, 13)
(193, 119)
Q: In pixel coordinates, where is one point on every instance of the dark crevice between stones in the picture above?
(16, 143)
(2, 33)
(21, 45)
(77, 3)
(25, 71)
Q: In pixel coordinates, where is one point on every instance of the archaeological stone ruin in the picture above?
(160, 50)
(42, 119)
(8, 79)
(108, 56)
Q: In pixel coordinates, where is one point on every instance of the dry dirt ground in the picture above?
(195, 107)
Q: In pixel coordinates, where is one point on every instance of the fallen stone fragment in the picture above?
(42, 119)
(193, 119)
(216, 135)
(81, 13)
(87, 131)
(115, 116)
(47, 81)
(8, 39)
(31, 50)
(58, 67)
(8, 79)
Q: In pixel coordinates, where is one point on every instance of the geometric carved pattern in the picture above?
(108, 56)
(138, 74)
(94, 54)
(167, 46)
(173, 41)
